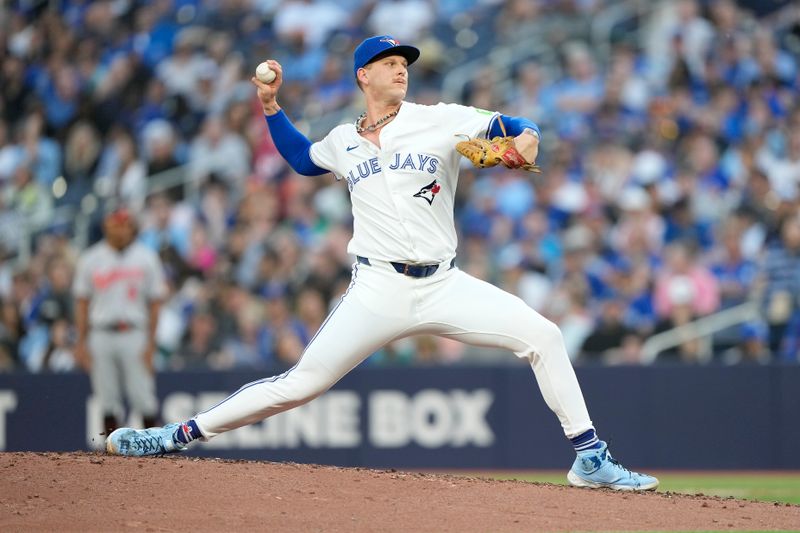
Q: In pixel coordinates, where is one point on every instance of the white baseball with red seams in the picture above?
(265, 73)
(403, 198)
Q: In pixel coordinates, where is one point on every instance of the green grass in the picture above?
(772, 487)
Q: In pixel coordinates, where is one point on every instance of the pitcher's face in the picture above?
(387, 78)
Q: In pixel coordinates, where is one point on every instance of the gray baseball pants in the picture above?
(118, 369)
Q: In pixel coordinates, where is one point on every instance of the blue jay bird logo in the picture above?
(429, 192)
(393, 42)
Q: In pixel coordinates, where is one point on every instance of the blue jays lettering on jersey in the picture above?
(364, 169)
(419, 162)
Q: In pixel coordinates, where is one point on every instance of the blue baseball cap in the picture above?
(379, 47)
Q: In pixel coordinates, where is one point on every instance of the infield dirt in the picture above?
(97, 492)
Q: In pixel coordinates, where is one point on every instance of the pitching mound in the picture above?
(96, 492)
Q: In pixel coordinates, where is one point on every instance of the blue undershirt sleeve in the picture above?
(292, 145)
(514, 126)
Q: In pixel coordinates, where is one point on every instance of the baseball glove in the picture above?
(496, 151)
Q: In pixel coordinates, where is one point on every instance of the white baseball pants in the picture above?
(382, 305)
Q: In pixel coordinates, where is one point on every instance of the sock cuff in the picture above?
(585, 441)
(187, 432)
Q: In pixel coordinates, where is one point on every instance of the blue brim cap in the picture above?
(381, 46)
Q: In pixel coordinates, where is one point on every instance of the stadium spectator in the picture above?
(578, 95)
(181, 71)
(250, 346)
(121, 174)
(640, 229)
(161, 144)
(314, 20)
(82, 151)
(780, 305)
(736, 276)
(611, 340)
(35, 149)
(13, 89)
(59, 355)
(417, 16)
(679, 293)
(166, 225)
(783, 170)
(526, 92)
(200, 343)
(311, 310)
(10, 333)
(27, 197)
(696, 287)
(218, 151)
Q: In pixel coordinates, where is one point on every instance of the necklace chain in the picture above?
(372, 127)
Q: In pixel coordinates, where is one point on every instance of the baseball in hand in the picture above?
(264, 73)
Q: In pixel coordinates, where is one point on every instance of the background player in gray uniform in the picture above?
(118, 287)
(400, 163)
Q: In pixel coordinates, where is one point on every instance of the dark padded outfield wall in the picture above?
(741, 417)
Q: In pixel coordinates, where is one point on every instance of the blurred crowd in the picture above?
(670, 188)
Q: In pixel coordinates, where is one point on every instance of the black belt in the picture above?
(116, 326)
(415, 271)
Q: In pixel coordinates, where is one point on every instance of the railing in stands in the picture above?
(701, 329)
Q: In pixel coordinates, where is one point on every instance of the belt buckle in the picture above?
(405, 269)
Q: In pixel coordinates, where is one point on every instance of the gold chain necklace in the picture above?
(372, 127)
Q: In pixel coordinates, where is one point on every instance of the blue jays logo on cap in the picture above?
(379, 47)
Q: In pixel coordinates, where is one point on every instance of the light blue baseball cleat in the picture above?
(596, 469)
(141, 442)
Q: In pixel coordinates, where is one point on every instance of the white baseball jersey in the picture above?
(119, 284)
(403, 196)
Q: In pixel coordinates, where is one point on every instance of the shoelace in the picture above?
(146, 443)
(614, 461)
(617, 463)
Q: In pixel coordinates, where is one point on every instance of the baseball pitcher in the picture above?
(400, 162)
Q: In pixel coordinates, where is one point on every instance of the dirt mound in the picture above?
(96, 492)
